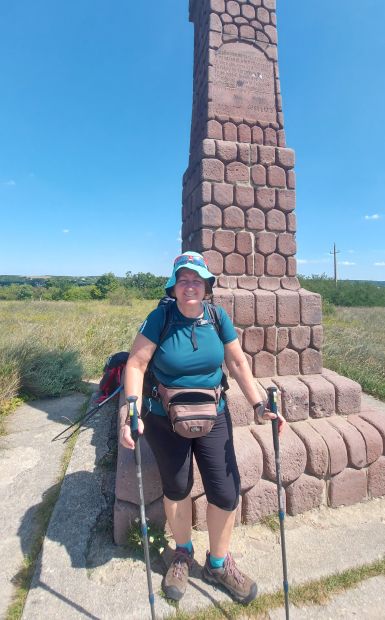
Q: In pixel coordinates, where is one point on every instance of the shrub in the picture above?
(50, 373)
(9, 377)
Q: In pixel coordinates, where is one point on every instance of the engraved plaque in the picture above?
(243, 84)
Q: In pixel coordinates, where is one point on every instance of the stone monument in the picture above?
(239, 211)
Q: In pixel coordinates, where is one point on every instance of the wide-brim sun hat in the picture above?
(190, 260)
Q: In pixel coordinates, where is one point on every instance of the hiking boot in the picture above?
(175, 581)
(240, 586)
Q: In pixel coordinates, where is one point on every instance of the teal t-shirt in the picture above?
(176, 363)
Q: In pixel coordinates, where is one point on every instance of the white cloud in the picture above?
(65, 231)
(375, 216)
(347, 263)
(10, 183)
(312, 261)
(379, 264)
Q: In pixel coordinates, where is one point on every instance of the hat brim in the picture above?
(201, 271)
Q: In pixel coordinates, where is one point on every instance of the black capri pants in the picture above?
(214, 454)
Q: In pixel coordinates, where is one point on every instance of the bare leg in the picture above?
(179, 517)
(220, 524)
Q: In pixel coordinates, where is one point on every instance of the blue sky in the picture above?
(95, 111)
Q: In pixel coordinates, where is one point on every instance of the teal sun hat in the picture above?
(190, 260)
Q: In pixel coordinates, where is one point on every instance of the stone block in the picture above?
(287, 244)
(376, 478)
(208, 147)
(348, 392)
(264, 364)
(288, 307)
(317, 463)
(253, 339)
(270, 4)
(286, 199)
(244, 312)
(299, 337)
(215, 261)
(233, 217)
(260, 502)
(249, 457)
(263, 15)
(225, 298)
(259, 264)
(237, 172)
(212, 170)
(276, 221)
(255, 219)
(126, 485)
(291, 266)
(214, 129)
(282, 338)
(247, 32)
(241, 412)
(244, 153)
(338, 456)
(244, 196)
(266, 155)
(294, 397)
(372, 437)
(210, 216)
(126, 513)
(275, 265)
(204, 239)
(215, 23)
(235, 264)
(321, 396)
(317, 336)
(311, 308)
(269, 283)
(223, 194)
(310, 362)
(276, 176)
(218, 6)
(224, 241)
(265, 242)
(265, 198)
(258, 175)
(285, 157)
(355, 444)
(347, 488)
(249, 283)
(290, 179)
(233, 8)
(244, 243)
(230, 132)
(270, 138)
(304, 494)
(226, 151)
(290, 283)
(227, 282)
(248, 11)
(288, 362)
(265, 307)
(376, 419)
(257, 136)
(271, 334)
(244, 131)
(292, 452)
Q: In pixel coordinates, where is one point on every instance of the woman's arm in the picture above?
(141, 353)
(239, 368)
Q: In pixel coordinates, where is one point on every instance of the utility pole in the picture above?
(335, 252)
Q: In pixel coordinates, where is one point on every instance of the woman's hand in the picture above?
(125, 435)
(269, 415)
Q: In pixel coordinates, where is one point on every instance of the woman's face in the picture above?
(189, 288)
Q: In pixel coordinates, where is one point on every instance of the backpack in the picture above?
(114, 367)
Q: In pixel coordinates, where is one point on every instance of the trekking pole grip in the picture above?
(272, 394)
(133, 415)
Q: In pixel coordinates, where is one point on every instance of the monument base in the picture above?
(332, 452)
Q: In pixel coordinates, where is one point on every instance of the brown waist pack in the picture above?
(192, 411)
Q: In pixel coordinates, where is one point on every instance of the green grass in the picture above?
(355, 346)
(22, 580)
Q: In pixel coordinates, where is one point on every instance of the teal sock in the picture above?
(187, 546)
(216, 562)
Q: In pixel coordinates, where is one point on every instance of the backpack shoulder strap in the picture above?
(214, 314)
(167, 304)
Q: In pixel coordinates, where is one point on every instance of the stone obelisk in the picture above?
(239, 210)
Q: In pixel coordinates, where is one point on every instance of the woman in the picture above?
(191, 355)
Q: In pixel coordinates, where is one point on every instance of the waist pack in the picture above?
(191, 411)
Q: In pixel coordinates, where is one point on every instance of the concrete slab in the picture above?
(29, 466)
(82, 574)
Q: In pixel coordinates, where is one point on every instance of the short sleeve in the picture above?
(226, 331)
(153, 325)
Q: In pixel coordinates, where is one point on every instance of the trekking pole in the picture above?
(88, 414)
(272, 404)
(133, 415)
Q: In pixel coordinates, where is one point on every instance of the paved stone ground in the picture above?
(82, 574)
